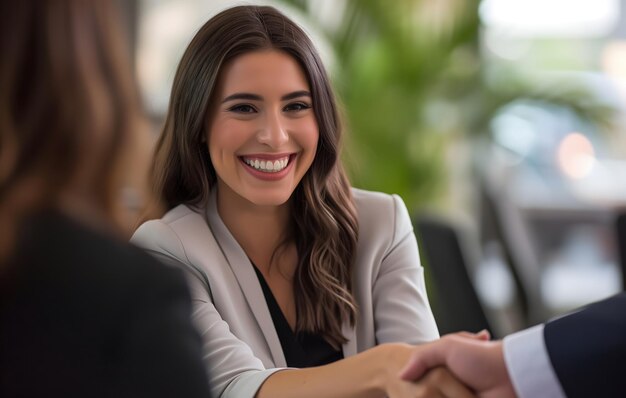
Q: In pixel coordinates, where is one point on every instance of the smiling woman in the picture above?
(289, 266)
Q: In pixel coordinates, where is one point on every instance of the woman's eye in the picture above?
(242, 108)
(297, 106)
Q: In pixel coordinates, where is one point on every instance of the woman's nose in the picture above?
(274, 132)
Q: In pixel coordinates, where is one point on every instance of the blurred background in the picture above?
(500, 122)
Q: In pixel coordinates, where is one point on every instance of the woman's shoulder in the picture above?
(381, 214)
(166, 229)
(377, 203)
(180, 230)
(364, 197)
(180, 214)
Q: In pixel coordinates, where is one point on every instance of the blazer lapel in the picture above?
(247, 279)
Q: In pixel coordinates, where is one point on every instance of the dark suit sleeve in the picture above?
(588, 349)
(162, 354)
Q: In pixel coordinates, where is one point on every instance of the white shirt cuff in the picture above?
(529, 366)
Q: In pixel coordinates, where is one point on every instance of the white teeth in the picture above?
(267, 166)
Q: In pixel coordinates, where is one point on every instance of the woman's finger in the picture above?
(483, 335)
(445, 384)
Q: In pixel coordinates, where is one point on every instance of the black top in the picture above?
(302, 349)
(85, 315)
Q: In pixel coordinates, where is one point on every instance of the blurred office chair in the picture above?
(454, 299)
(621, 244)
(500, 221)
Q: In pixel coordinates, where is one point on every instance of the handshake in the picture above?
(581, 355)
(471, 358)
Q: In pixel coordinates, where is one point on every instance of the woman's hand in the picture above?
(374, 373)
(436, 383)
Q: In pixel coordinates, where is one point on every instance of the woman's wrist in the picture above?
(390, 359)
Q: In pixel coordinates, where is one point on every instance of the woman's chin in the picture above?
(275, 199)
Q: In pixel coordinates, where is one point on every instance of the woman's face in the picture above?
(262, 133)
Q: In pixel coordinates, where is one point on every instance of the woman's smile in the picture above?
(268, 167)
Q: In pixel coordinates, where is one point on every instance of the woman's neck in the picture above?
(259, 230)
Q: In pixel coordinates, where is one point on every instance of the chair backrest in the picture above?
(455, 302)
(621, 245)
(506, 231)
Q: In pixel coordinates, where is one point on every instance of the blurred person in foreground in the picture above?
(82, 314)
(578, 355)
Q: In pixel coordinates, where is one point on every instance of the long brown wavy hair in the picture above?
(324, 223)
(69, 110)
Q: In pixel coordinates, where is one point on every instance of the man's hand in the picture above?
(476, 362)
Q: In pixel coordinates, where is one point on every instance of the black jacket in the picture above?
(588, 349)
(84, 315)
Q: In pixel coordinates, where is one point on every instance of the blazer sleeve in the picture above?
(401, 308)
(588, 349)
(233, 369)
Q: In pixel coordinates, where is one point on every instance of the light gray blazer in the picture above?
(241, 346)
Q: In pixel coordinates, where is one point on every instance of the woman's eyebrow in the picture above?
(256, 97)
(245, 96)
(295, 94)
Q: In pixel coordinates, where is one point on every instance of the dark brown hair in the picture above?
(323, 214)
(68, 106)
